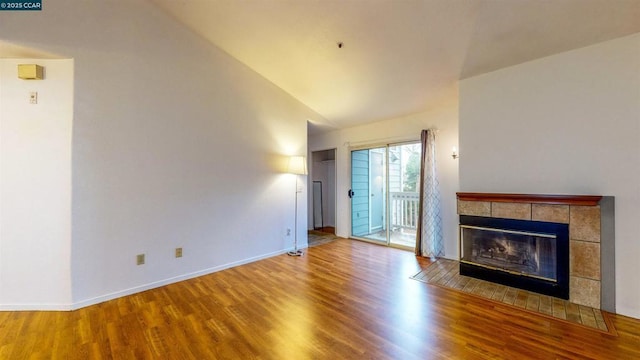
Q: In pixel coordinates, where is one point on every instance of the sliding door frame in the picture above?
(386, 216)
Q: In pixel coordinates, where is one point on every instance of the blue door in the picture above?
(368, 194)
(360, 192)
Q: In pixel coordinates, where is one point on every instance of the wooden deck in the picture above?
(341, 300)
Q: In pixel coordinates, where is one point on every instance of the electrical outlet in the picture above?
(178, 252)
(288, 232)
(140, 259)
(33, 97)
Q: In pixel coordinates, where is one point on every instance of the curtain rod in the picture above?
(385, 140)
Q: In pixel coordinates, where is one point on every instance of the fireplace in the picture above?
(513, 229)
(531, 255)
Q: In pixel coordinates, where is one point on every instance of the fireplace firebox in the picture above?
(530, 255)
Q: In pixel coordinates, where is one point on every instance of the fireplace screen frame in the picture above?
(557, 288)
(508, 265)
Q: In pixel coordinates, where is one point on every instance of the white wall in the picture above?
(329, 200)
(565, 124)
(324, 171)
(443, 117)
(174, 144)
(35, 185)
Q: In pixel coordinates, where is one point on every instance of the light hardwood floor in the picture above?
(341, 300)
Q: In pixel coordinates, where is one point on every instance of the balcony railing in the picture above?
(404, 210)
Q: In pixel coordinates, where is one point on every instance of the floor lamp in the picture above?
(297, 166)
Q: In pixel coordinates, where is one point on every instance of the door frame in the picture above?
(334, 179)
(373, 191)
(386, 219)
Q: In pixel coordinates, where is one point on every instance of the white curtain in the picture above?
(429, 241)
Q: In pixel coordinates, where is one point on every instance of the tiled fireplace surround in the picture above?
(591, 235)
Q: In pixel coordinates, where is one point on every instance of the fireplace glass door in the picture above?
(517, 252)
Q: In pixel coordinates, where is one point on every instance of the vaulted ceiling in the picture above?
(397, 57)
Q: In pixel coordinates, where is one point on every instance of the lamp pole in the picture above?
(295, 251)
(297, 166)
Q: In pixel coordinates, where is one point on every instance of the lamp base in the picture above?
(295, 253)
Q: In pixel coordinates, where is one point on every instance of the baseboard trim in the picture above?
(36, 307)
(136, 289)
(175, 279)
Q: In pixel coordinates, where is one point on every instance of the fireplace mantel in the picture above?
(591, 221)
(583, 200)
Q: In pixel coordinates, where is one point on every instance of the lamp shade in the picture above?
(297, 165)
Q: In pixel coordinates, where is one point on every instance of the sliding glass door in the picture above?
(368, 189)
(384, 194)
